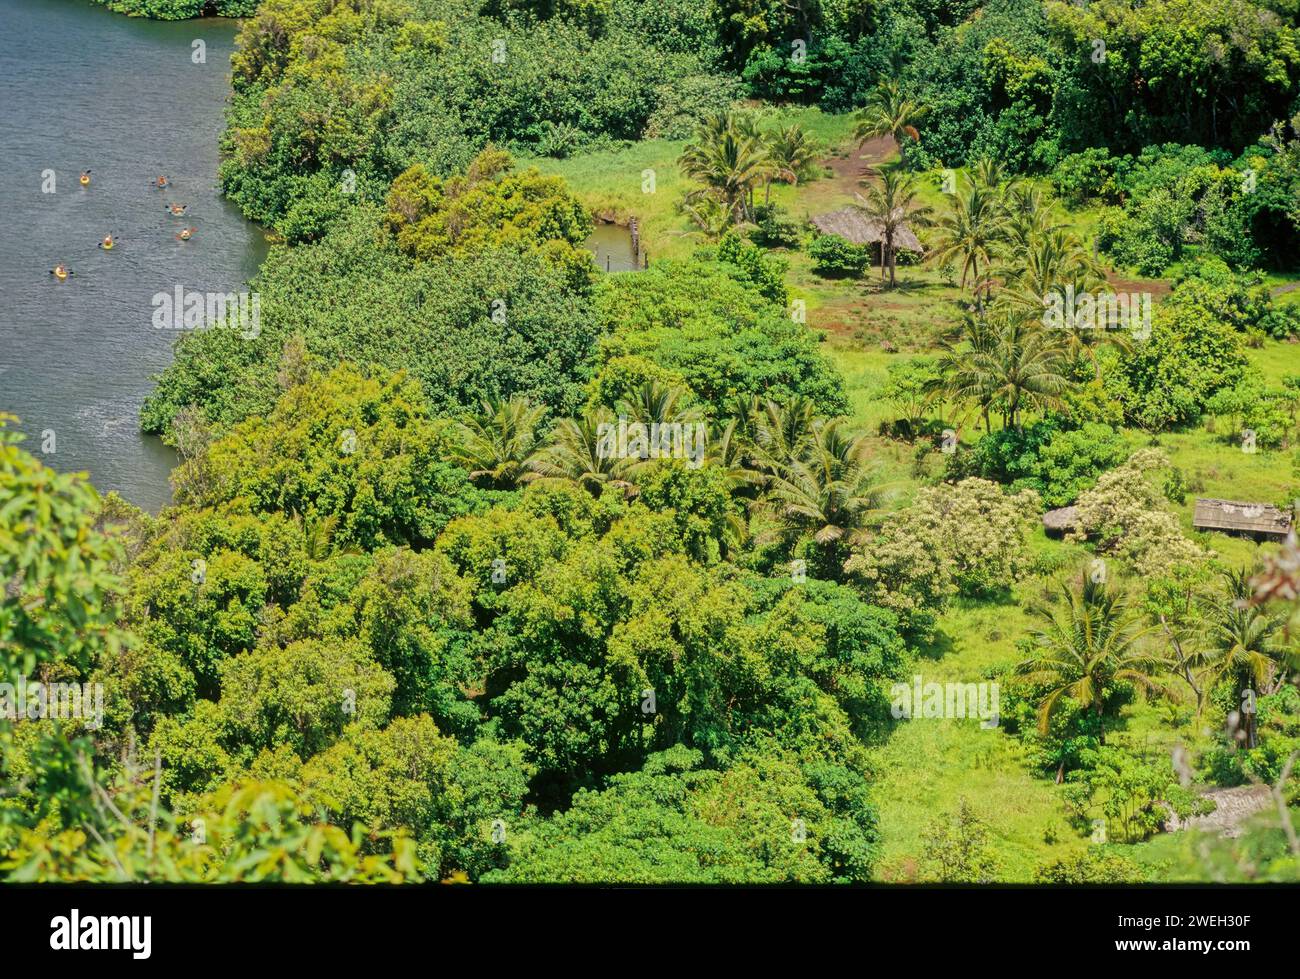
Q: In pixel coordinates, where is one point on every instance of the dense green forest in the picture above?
(489, 565)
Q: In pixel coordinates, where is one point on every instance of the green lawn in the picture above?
(927, 765)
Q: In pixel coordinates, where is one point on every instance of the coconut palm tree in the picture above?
(889, 112)
(1023, 368)
(1084, 652)
(1004, 360)
(1244, 645)
(782, 432)
(580, 452)
(972, 231)
(827, 494)
(708, 214)
(960, 378)
(729, 162)
(1029, 215)
(655, 402)
(1047, 264)
(989, 172)
(1057, 266)
(498, 444)
(731, 451)
(791, 154)
(892, 204)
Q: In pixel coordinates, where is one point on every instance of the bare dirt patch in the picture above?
(1156, 287)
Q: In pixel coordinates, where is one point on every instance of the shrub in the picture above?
(1056, 463)
(766, 272)
(835, 256)
(774, 229)
(1195, 351)
(1124, 514)
(968, 539)
(709, 325)
(1093, 173)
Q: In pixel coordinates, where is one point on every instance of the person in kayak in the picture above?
(177, 209)
(85, 178)
(108, 243)
(161, 183)
(185, 233)
(60, 271)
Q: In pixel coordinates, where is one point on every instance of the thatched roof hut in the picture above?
(1059, 522)
(853, 224)
(1258, 520)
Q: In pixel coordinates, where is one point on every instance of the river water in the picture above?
(84, 88)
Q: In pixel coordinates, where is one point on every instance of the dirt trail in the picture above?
(850, 163)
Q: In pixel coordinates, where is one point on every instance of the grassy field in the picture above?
(926, 766)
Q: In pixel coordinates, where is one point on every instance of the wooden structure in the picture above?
(1057, 523)
(1262, 521)
(852, 224)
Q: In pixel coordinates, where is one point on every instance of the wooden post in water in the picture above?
(635, 231)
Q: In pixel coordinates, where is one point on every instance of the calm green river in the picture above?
(84, 88)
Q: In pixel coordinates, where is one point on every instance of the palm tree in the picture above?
(989, 173)
(892, 204)
(791, 154)
(1023, 369)
(828, 493)
(1029, 214)
(1007, 361)
(729, 162)
(1053, 265)
(1244, 645)
(318, 536)
(889, 113)
(972, 231)
(1083, 653)
(654, 401)
(708, 214)
(782, 432)
(960, 379)
(1048, 263)
(731, 451)
(499, 444)
(579, 453)
(1184, 629)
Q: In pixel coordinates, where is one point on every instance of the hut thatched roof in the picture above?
(1059, 521)
(1241, 518)
(853, 224)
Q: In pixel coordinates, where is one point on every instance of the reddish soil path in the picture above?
(1157, 287)
(849, 165)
